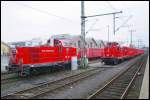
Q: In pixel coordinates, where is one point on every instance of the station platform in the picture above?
(144, 93)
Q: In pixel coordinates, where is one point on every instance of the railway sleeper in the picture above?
(109, 96)
(119, 86)
(131, 97)
(125, 78)
(122, 84)
(132, 89)
(128, 76)
(115, 89)
(101, 98)
(123, 81)
(131, 94)
(112, 93)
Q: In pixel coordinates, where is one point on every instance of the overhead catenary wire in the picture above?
(124, 23)
(91, 26)
(99, 29)
(110, 5)
(45, 12)
(115, 9)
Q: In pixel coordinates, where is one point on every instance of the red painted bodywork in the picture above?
(28, 55)
(42, 54)
(113, 50)
(91, 52)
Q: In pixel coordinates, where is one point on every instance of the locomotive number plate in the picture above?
(47, 50)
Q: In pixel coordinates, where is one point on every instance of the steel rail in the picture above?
(6, 78)
(6, 73)
(88, 75)
(131, 82)
(50, 84)
(100, 90)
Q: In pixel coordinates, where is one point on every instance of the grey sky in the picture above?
(24, 20)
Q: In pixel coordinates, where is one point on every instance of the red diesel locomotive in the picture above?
(25, 59)
(113, 53)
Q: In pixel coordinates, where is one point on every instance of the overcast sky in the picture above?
(24, 20)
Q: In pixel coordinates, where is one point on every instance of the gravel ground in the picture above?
(134, 91)
(77, 91)
(36, 80)
(82, 88)
(29, 82)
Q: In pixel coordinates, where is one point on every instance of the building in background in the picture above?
(33, 42)
(5, 48)
(76, 40)
(68, 40)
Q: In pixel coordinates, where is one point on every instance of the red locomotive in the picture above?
(25, 59)
(113, 53)
(29, 58)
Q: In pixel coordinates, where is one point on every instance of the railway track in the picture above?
(5, 77)
(36, 91)
(8, 77)
(118, 87)
(8, 80)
